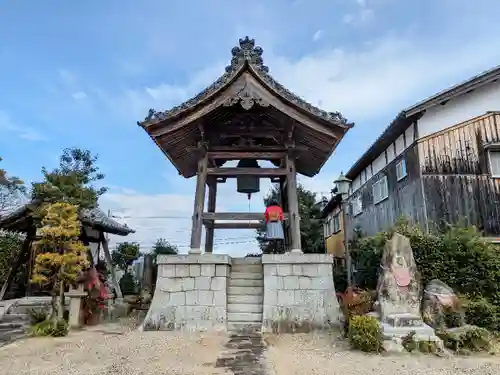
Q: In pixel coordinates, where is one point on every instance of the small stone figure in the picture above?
(441, 307)
(274, 224)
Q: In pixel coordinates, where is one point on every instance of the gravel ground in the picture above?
(323, 354)
(113, 349)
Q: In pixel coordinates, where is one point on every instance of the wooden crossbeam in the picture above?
(235, 172)
(238, 155)
(256, 216)
(240, 225)
(244, 149)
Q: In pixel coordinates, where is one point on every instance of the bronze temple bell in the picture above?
(248, 184)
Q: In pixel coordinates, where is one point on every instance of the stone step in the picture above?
(244, 308)
(249, 260)
(246, 275)
(10, 336)
(8, 326)
(246, 282)
(244, 326)
(249, 268)
(244, 317)
(245, 299)
(245, 290)
(16, 318)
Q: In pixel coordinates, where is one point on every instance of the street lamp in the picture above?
(343, 185)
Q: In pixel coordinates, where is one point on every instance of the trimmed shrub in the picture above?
(409, 342)
(128, 284)
(481, 313)
(53, 328)
(37, 316)
(365, 334)
(467, 339)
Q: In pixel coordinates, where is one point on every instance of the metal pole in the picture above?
(346, 245)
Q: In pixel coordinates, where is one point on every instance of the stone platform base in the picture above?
(190, 293)
(293, 292)
(299, 294)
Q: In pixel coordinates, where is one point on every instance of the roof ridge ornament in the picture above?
(247, 52)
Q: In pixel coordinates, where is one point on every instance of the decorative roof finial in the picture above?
(247, 52)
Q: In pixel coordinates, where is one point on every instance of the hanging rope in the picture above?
(249, 195)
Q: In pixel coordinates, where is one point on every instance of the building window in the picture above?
(494, 163)
(380, 190)
(401, 169)
(336, 224)
(357, 206)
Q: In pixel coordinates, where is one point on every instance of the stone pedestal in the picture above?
(190, 293)
(401, 324)
(299, 293)
(75, 306)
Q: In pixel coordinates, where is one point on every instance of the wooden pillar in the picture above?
(293, 205)
(212, 199)
(199, 202)
(284, 207)
(110, 267)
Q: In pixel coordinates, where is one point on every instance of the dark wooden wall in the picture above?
(455, 175)
(404, 200)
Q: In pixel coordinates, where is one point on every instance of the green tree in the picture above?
(125, 254)
(311, 225)
(10, 246)
(12, 191)
(163, 247)
(73, 181)
(61, 255)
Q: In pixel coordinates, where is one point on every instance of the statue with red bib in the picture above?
(274, 224)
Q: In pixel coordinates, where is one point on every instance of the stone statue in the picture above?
(441, 307)
(399, 293)
(398, 289)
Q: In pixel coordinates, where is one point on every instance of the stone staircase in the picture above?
(13, 327)
(15, 318)
(245, 295)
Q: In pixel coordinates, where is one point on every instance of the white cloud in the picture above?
(379, 77)
(317, 35)
(8, 125)
(362, 15)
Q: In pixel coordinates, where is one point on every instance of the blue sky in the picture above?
(82, 73)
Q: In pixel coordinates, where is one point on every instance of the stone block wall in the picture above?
(190, 294)
(299, 293)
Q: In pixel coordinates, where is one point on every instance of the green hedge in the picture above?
(458, 256)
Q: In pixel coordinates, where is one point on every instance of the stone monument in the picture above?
(441, 307)
(399, 293)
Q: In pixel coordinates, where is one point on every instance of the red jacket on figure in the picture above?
(273, 213)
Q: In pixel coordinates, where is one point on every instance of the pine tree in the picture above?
(61, 255)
